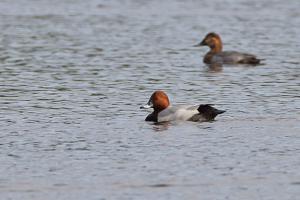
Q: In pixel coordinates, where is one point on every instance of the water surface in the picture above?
(74, 73)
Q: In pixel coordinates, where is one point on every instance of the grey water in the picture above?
(73, 75)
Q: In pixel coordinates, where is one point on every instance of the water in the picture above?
(74, 73)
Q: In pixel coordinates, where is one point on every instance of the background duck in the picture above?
(216, 55)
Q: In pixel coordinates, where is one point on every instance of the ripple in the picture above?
(74, 74)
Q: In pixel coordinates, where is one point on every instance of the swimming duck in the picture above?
(163, 111)
(216, 55)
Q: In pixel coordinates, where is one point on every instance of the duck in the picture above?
(164, 112)
(216, 55)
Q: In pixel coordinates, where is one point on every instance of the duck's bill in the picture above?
(197, 45)
(202, 43)
(146, 107)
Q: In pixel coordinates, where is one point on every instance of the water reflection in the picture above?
(216, 67)
(161, 126)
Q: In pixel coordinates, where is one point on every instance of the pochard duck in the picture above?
(217, 56)
(163, 111)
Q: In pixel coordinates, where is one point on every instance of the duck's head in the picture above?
(212, 40)
(158, 101)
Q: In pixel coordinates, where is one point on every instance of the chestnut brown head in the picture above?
(212, 40)
(158, 101)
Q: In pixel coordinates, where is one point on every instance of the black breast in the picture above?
(152, 117)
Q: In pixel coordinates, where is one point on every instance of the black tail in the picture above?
(209, 112)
